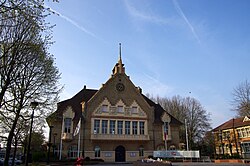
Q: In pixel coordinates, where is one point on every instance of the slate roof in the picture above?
(86, 94)
(74, 102)
(232, 123)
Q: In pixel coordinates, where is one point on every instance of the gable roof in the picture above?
(86, 94)
(75, 103)
(233, 123)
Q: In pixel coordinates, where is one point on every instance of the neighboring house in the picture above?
(118, 122)
(233, 137)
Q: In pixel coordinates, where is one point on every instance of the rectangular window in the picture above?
(67, 125)
(120, 109)
(246, 147)
(72, 153)
(134, 127)
(120, 127)
(104, 126)
(166, 128)
(96, 126)
(112, 127)
(243, 131)
(247, 132)
(239, 133)
(105, 108)
(225, 135)
(141, 125)
(134, 110)
(127, 127)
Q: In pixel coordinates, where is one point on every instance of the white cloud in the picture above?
(133, 11)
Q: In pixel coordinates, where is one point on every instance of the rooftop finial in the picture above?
(120, 52)
(119, 67)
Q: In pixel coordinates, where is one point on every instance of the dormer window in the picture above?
(134, 110)
(104, 108)
(67, 125)
(120, 109)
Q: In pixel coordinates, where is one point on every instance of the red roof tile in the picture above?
(232, 123)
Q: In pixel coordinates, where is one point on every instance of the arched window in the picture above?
(160, 147)
(172, 147)
(141, 151)
(97, 151)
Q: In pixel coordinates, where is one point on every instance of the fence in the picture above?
(177, 154)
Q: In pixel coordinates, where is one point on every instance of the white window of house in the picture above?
(134, 127)
(134, 110)
(119, 127)
(120, 109)
(127, 127)
(243, 131)
(104, 126)
(67, 125)
(239, 133)
(96, 126)
(248, 132)
(105, 108)
(225, 135)
(112, 127)
(97, 151)
(142, 125)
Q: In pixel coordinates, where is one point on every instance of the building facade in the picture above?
(233, 137)
(117, 122)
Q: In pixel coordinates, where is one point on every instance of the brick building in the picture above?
(118, 122)
(233, 137)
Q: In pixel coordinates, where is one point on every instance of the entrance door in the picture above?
(120, 154)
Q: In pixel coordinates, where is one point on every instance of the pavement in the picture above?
(131, 164)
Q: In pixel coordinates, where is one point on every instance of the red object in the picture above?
(79, 161)
(165, 136)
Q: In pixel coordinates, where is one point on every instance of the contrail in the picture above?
(180, 12)
(72, 22)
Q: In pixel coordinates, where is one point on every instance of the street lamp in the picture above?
(222, 145)
(54, 143)
(33, 105)
(186, 134)
(49, 144)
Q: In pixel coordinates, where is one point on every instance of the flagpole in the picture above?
(60, 155)
(165, 135)
(79, 136)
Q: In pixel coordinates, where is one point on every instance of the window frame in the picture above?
(119, 127)
(134, 127)
(97, 123)
(67, 125)
(104, 126)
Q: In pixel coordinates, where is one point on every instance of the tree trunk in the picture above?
(10, 137)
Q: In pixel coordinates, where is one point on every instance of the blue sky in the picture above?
(169, 47)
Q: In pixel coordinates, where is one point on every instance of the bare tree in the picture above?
(241, 99)
(27, 70)
(198, 120)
